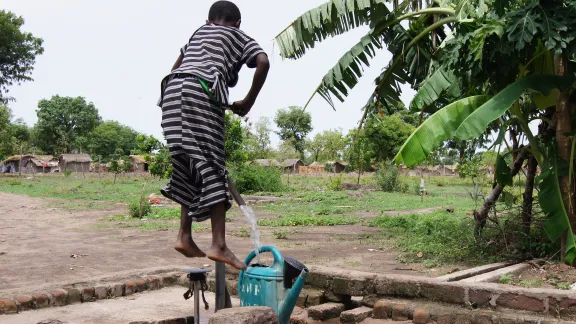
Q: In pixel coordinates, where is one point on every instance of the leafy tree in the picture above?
(18, 51)
(358, 152)
(285, 151)
(61, 120)
(385, 135)
(112, 138)
(14, 134)
(146, 144)
(257, 140)
(160, 164)
(327, 146)
(234, 139)
(294, 124)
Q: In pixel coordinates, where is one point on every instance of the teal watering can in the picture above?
(274, 285)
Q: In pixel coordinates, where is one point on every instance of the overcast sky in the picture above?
(115, 53)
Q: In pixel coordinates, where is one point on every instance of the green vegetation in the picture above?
(309, 220)
(139, 208)
(250, 178)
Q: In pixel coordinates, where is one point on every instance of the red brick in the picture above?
(520, 302)
(140, 285)
(59, 297)
(356, 315)
(117, 290)
(41, 300)
(382, 309)
(154, 282)
(421, 316)
(24, 302)
(443, 292)
(101, 292)
(74, 296)
(130, 288)
(563, 308)
(88, 294)
(325, 311)
(310, 297)
(479, 298)
(8, 306)
(399, 312)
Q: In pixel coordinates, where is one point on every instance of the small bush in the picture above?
(250, 178)
(140, 208)
(14, 182)
(441, 182)
(67, 173)
(334, 184)
(388, 179)
(282, 234)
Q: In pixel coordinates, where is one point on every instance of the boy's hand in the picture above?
(242, 107)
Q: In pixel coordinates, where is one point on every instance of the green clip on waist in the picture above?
(208, 91)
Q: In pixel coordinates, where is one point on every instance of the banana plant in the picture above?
(468, 118)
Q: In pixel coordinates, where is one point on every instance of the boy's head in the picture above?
(224, 13)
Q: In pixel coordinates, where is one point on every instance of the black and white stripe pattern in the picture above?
(216, 54)
(194, 130)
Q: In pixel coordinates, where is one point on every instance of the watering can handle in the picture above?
(278, 258)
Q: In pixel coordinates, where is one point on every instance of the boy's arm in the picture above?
(242, 107)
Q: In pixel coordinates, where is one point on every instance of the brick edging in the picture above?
(68, 296)
(557, 303)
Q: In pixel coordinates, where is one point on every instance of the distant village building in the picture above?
(292, 165)
(12, 163)
(266, 163)
(41, 164)
(75, 162)
(316, 167)
(139, 164)
(340, 167)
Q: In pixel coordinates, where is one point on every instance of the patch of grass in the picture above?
(309, 220)
(506, 279)
(352, 263)
(14, 182)
(242, 232)
(139, 208)
(282, 234)
(533, 283)
(440, 236)
(563, 285)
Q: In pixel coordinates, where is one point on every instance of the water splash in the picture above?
(254, 233)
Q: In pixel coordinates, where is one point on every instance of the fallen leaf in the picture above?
(420, 254)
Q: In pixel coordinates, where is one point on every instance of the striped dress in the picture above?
(193, 124)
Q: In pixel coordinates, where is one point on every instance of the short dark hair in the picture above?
(224, 10)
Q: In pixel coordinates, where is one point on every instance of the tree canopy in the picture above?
(112, 138)
(294, 125)
(18, 51)
(61, 120)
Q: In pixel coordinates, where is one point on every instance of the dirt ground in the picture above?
(41, 245)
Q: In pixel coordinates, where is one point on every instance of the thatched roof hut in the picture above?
(292, 165)
(75, 162)
(266, 163)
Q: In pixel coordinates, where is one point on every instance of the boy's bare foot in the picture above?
(186, 246)
(225, 255)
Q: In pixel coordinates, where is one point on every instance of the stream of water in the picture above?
(254, 233)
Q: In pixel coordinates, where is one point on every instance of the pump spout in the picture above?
(290, 301)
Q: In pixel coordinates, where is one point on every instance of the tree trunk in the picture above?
(564, 145)
(528, 195)
(482, 215)
(514, 138)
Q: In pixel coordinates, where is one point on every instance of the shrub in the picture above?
(67, 173)
(334, 184)
(14, 182)
(388, 179)
(250, 178)
(140, 208)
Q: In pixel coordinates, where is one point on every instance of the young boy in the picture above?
(193, 99)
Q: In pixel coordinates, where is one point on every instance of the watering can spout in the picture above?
(290, 302)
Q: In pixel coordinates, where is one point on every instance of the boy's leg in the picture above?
(219, 252)
(184, 243)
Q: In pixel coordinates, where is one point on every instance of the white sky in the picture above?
(115, 53)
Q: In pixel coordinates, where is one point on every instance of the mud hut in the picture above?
(75, 162)
(292, 165)
(41, 164)
(340, 167)
(265, 163)
(316, 167)
(12, 163)
(139, 164)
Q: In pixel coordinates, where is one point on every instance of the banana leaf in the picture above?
(476, 124)
(330, 19)
(503, 172)
(431, 89)
(436, 129)
(557, 222)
